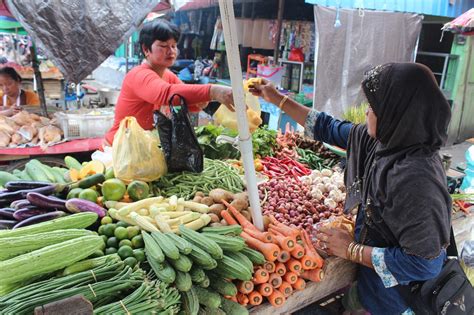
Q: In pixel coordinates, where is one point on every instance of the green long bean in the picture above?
(216, 174)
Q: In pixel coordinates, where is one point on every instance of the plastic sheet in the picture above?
(349, 42)
(78, 35)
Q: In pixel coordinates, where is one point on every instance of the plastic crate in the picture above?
(79, 125)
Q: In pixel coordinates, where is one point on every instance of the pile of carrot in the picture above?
(290, 260)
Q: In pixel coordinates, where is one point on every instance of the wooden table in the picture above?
(338, 274)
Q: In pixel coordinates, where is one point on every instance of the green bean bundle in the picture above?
(216, 174)
(104, 283)
(150, 296)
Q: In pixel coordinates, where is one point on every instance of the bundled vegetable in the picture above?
(98, 285)
(216, 174)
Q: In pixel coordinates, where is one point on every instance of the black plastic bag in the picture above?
(178, 140)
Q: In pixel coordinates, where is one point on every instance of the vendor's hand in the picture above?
(334, 241)
(223, 95)
(267, 90)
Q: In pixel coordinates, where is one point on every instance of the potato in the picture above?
(216, 209)
(223, 222)
(207, 201)
(200, 194)
(197, 199)
(214, 217)
(215, 224)
(243, 195)
(240, 204)
(219, 194)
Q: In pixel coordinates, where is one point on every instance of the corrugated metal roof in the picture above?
(427, 7)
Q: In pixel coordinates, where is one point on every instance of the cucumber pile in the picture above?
(35, 171)
(202, 265)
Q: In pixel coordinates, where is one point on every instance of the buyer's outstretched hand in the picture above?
(265, 89)
(334, 241)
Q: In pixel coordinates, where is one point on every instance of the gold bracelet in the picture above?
(282, 102)
(361, 253)
(354, 251)
(349, 249)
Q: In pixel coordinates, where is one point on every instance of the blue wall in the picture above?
(427, 7)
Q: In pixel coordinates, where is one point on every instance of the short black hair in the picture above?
(10, 72)
(158, 29)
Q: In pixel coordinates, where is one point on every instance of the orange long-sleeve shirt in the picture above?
(144, 91)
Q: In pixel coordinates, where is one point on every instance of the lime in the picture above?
(113, 189)
(137, 242)
(131, 261)
(133, 231)
(110, 250)
(74, 193)
(139, 254)
(138, 190)
(101, 229)
(125, 251)
(89, 194)
(112, 242)
(97, 253)
(125, 242)
(109, 229)
(121, 233)
(109, 173)
(106, 220)
(122, 224)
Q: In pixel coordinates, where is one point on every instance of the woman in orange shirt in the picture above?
(13, 96)
(150, 85)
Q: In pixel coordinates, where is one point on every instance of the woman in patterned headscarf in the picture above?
(394, 177)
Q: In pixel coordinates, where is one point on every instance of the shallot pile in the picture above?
(304, 202)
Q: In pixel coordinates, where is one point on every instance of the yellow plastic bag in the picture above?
(223, 116)
(136, 155)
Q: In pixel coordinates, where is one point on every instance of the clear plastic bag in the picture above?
(223, 116)
(136, 155)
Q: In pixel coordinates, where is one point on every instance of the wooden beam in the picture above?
(281, 9)
(39, 80)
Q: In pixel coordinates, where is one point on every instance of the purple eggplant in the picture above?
(40, 218)
(14, 203)
(7, 213)
(25, 213)
(25, 185)
(21, 194)
(46, 202)
(76, 205)
(7, 224)
(22, 204)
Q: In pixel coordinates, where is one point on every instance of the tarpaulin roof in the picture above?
(7, 22)
(78, 35)
(464, 24)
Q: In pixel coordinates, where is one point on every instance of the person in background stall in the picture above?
(394, 177)
(149, 86)
(13, 97)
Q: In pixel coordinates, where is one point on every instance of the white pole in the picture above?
(245, 138)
